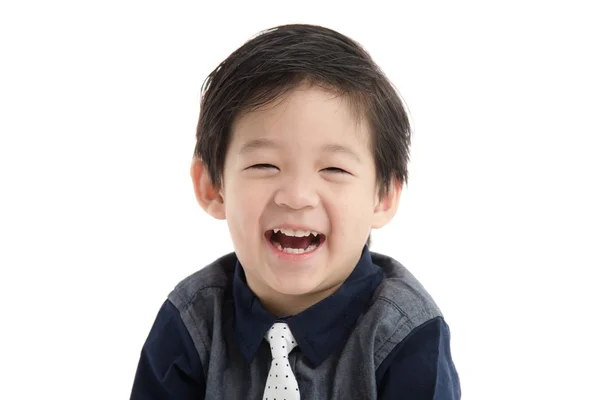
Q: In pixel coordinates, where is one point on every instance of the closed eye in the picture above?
(336, 170)
(262, 166)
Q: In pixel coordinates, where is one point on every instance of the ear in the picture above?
(387, 205)
(208, 196)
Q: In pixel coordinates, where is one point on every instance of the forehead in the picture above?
(306, 117)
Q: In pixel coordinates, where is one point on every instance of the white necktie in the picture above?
(281, 383)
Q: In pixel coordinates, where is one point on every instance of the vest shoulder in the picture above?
(212, 280)
(402, 291)
(399, 305)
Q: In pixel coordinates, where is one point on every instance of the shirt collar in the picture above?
(319, 329)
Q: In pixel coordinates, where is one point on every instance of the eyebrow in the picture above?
(257, 144)
(338, 148)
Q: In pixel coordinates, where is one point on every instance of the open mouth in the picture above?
(295, 242)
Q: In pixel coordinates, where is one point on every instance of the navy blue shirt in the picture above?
(419, 367)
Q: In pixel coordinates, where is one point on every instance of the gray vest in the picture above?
(205, 303)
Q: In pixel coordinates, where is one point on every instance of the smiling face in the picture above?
(299, 195)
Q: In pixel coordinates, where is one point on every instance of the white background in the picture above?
(98, 222)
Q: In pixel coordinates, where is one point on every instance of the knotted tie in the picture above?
(281, 383)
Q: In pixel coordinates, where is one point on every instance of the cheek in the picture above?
(350, 216)
(244, 204)
(355, 213)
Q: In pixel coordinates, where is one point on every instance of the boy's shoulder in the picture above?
(211, 281)
(401, 289)
(399, 305)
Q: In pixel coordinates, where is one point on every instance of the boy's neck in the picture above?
(287, 305)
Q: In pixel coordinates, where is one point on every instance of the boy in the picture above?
(302, 147)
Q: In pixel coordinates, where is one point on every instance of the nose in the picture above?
(297, 193)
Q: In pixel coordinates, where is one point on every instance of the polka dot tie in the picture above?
(281, 383)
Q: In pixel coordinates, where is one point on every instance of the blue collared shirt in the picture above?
(419, 367)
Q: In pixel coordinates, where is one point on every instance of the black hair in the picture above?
(280, 59)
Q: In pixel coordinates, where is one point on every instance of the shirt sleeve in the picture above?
(169, 366)
(420, 367)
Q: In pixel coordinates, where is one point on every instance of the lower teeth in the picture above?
(295, 251)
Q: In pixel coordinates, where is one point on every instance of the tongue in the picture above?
(292, 242)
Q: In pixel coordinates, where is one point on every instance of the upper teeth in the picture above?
(291, 232)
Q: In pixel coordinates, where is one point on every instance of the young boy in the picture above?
(302, 147)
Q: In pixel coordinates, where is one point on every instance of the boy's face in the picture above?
(300, 164)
